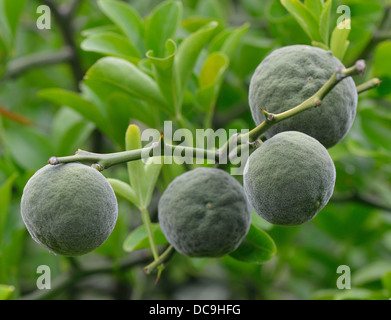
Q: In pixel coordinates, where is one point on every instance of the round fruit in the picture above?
(204, 213)
(289, 178)
(291, 75)
(70, 209)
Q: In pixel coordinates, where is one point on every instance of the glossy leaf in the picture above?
(5, 195)
(339, 40)
(69, 131)
(161, 25)
(127, 19)
(111, 44)
(151, 174)
(314, 6)
(6, 291)
(189, 51)
(135, 168)
(138, 238)
(210, 80)
(30, 148)
(124, 190)
(166, 77)
(229, 40)
(382, 61)
(386, 281)
(304, 18)
(142, 177)
(257, 247)
(76, 102)
(324, 22)
(127, 77)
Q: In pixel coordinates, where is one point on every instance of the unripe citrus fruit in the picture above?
(290, 75)
(289, 178)
(70, 209)
(204, 213)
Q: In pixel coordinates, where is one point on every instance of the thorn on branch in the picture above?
(268, 116)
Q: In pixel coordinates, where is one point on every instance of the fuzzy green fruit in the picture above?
(289, 178)
(70, 209)
(204, 213)
(290, 75)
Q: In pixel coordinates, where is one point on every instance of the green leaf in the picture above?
(152, 170)
(371, 273)
(124, 190)
(76, 102)
(189, 51)
(111, 44)
(10, 12)
(142, 177)
(320, 45)
(30, 148)
(382, 61)
(304, 17)
(257, 247)
(339, 40)
(210, 80)
(5, 195)
(386, 281)
(127, 19)
(229, 40)
(13, 10)
(69, 131)
(127, 77)
(135, 168)
(166, 77)
(314, 6)
(6, 291)
(324, 22)
(138, 238)
(161, 25)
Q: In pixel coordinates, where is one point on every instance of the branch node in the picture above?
(53, 161)
(339, 74)
(97, 166)
(360, 66)
(318, 103)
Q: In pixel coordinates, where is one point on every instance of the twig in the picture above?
(162, 258)
(21, 65)
(373, 83)
(65, 24)
(68, 280)
(363, 199)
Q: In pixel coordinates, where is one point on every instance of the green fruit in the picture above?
(70, 209)
(291, 75)
(204, 213)
(289, 178)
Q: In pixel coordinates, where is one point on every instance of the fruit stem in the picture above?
(163, 257)
(147, 223)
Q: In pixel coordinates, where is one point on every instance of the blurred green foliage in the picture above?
(146, 61)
